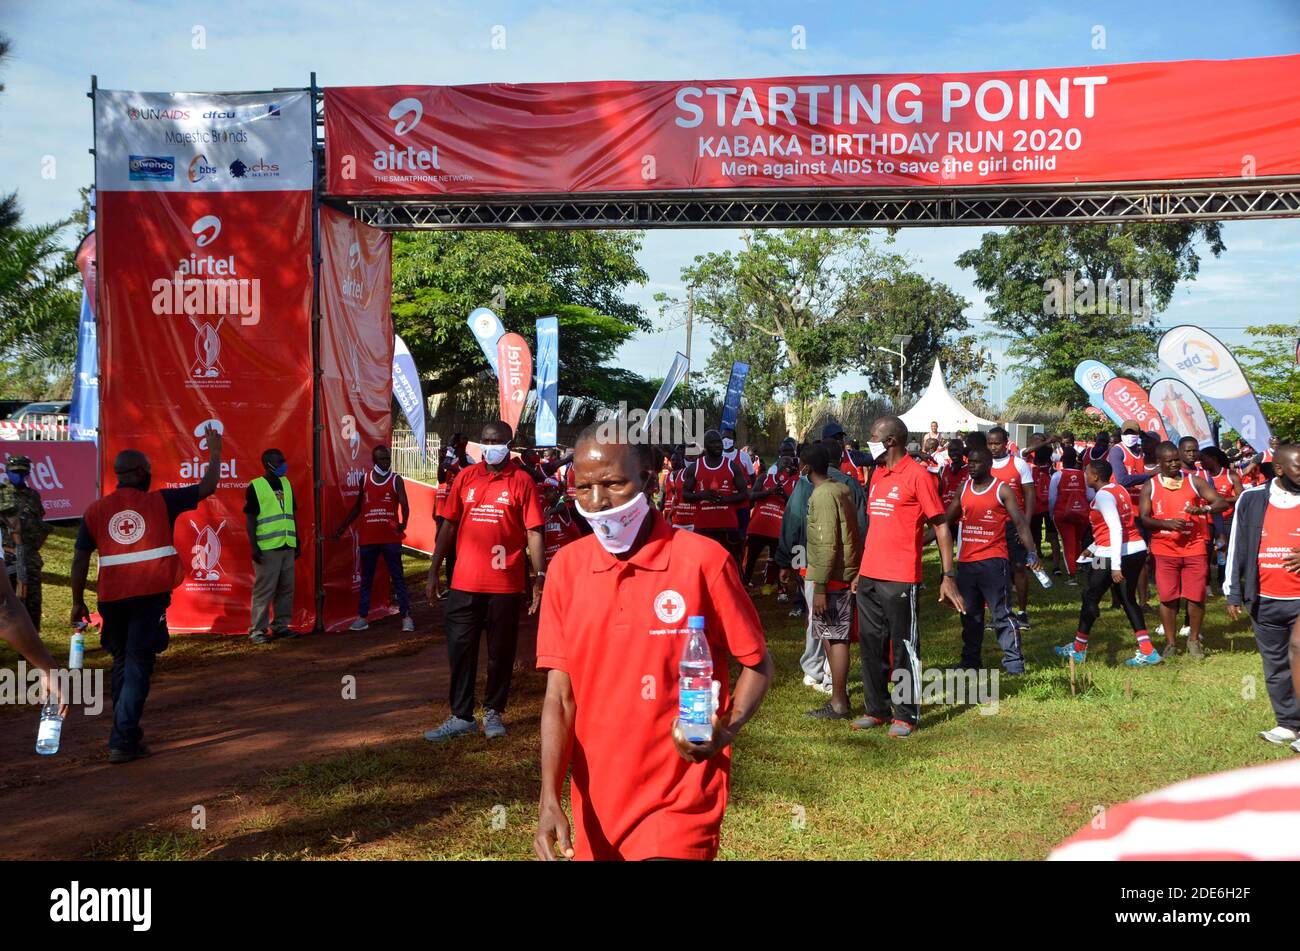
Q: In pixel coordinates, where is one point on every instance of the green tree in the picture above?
(40, 300)
(1269, 363)
(1017, 268)
(580, 276)
(802, 306)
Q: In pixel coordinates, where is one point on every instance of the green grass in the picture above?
(967, 785)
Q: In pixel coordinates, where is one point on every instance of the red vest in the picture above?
(1071, 495)
(1042, 485)
(559, 531)
(768, 513)
(983, 532)
(1134, 464)
(378, 511)
(950, 483)
(1172, 503)
(137, 554)
(682, 512)
(1223, 485)
(723, 481)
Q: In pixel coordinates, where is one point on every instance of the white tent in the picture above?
(938, 405)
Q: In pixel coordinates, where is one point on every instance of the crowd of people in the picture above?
(616, 544)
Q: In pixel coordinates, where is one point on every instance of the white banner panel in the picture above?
(203, 142)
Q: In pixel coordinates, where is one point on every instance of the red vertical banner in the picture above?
(514, 377)
(356, 344)
(1130, 401)
(204, 263)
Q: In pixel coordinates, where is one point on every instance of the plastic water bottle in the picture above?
(1043, 577)
(695, 685)
(77, 647)
(1223, 558)
(51, 728)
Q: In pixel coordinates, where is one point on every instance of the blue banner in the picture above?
(731, 408)
(1092, 377)
(406, 387)
(548, 379)
(83, 416)
(487, 329)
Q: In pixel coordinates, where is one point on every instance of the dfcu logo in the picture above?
(206, 230)
(1199, 357)
(200, 169)
(400, 110)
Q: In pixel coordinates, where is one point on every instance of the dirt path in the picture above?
(216, 725)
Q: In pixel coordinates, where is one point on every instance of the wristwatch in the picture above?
(950, 574)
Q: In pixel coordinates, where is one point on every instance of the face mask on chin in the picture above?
(494, 455)
(616, 529)
(380, 471)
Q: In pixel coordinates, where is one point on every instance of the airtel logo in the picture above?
(403, 108)
(206, 230)
(202, 427)
(354, 256)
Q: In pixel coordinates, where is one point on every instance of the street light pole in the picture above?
(900, 341)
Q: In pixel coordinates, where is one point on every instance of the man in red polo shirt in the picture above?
(901, 499)
(612, 629)
(491, 517)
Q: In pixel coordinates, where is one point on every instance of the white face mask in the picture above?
(381, 473)
(617, 528)
(1132, 440)
(495, 455)
(728, 444)
(877, 449)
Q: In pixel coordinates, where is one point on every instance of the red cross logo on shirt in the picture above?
(670, 606)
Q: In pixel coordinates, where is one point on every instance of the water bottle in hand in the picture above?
(77, 647)
(1043, 577)
(47, 737)
(695, 685)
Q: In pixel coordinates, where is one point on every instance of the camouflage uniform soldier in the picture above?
(25, 533)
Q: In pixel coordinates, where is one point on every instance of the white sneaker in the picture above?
(408, 624)
(1279, 735)
(821, 686)
(359, 625)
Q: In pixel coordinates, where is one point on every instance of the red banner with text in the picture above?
(1136, 122)
(356, 397)
(1130, 401)
(62, 471)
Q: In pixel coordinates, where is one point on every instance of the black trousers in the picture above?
(1098, 582)
(134, 631)
(467, 615)
(890, 644)
(984, 583)
(754, 545)
(1273, 621)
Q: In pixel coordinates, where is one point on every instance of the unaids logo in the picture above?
(126, 528)
(400, 110)
(206, 230)
(670, 607)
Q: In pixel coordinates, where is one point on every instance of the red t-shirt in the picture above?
(902, 500)
(983, 531)
(617, 628)
(494, 512)
(1281, 533)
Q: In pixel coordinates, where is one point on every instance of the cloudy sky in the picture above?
(58, 44)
